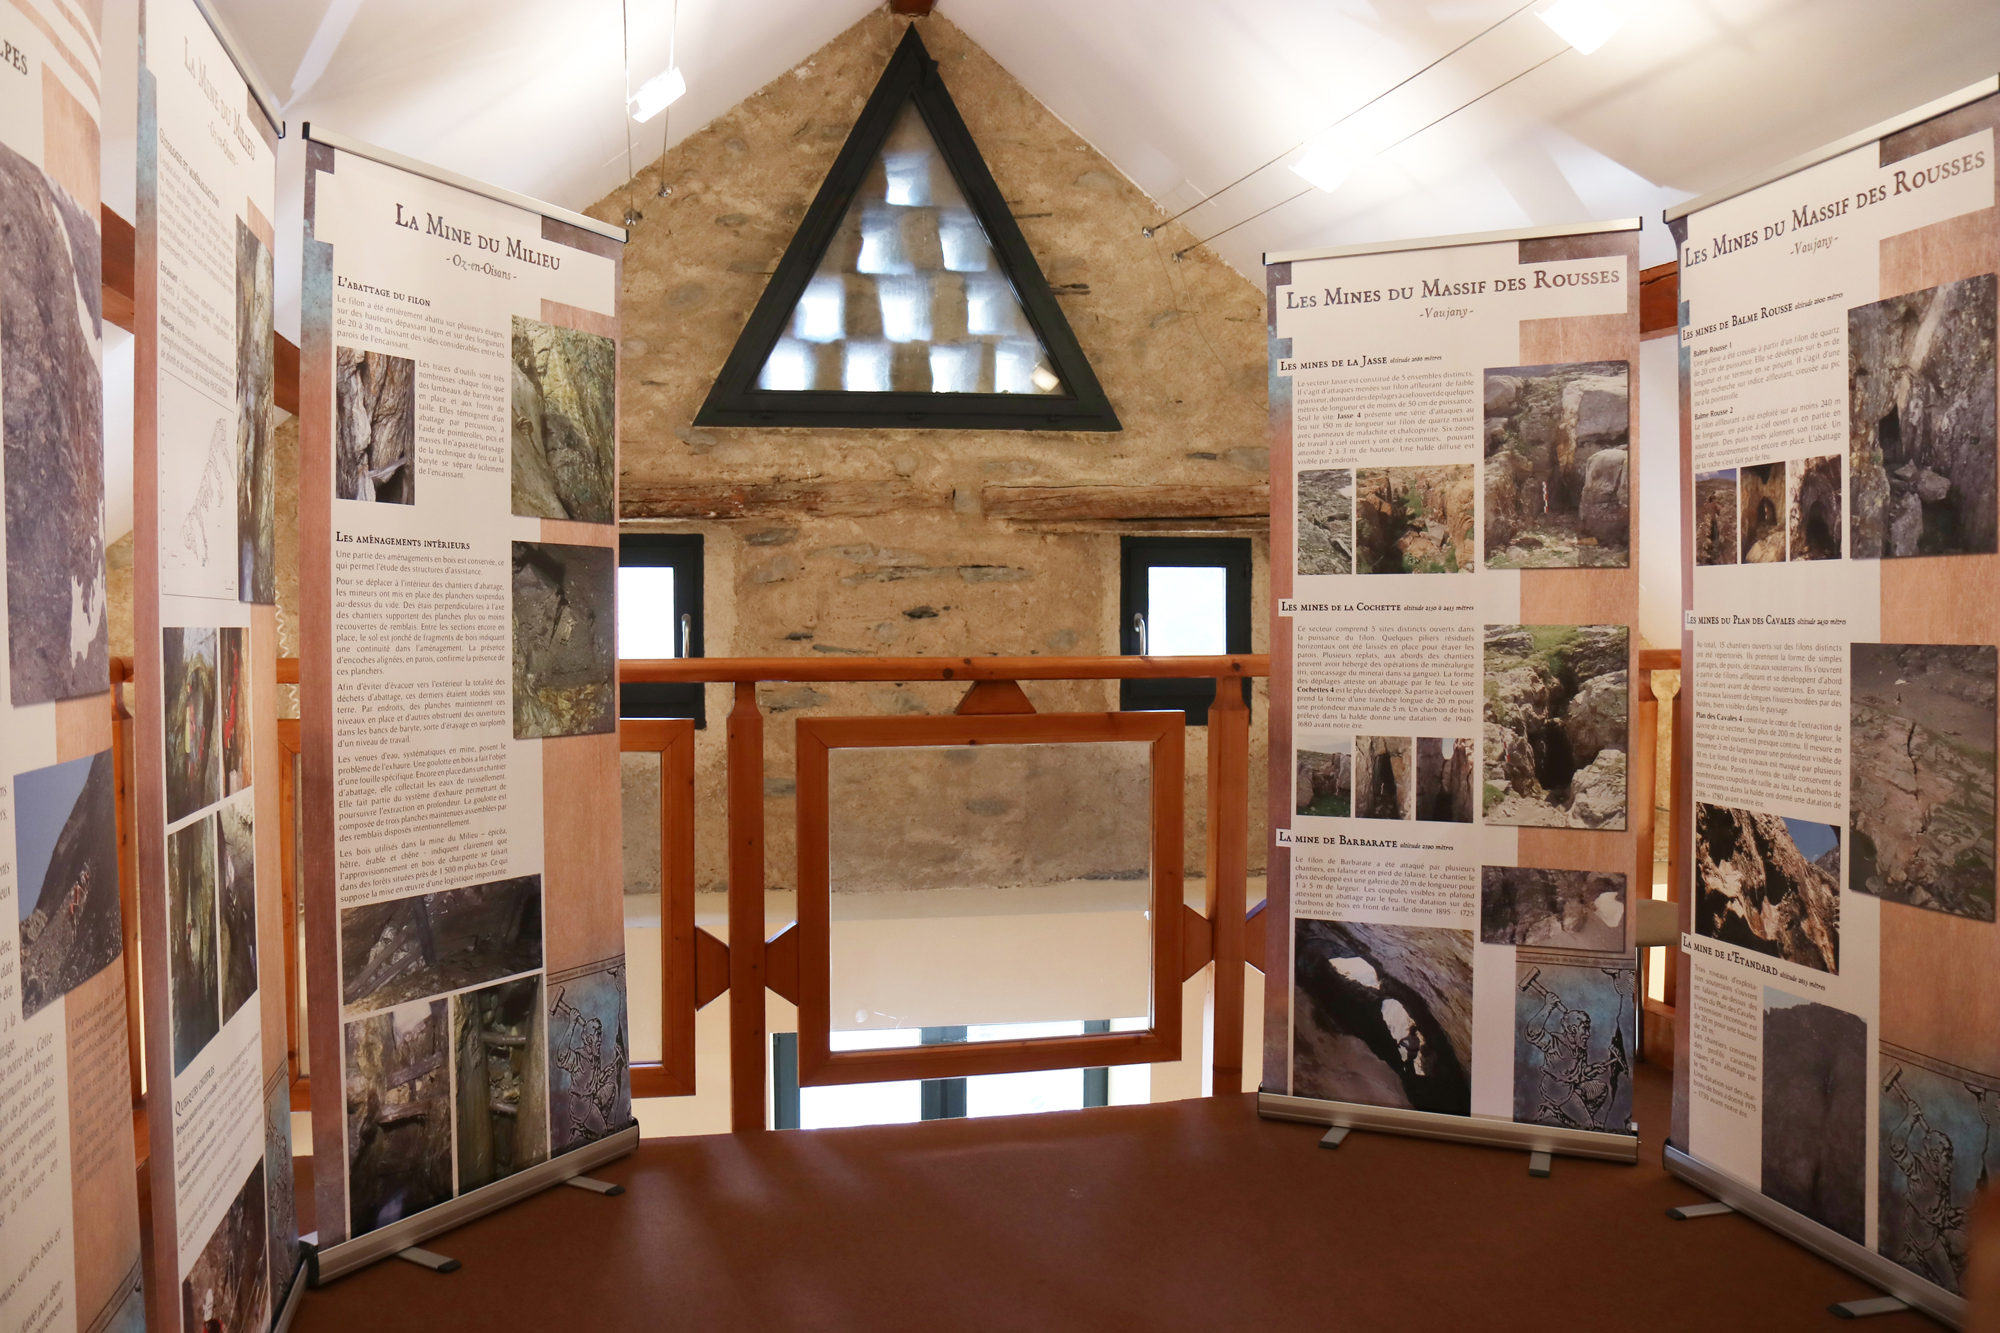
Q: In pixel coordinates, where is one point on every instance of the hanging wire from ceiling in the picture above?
(667, 116)
(1149, 232)
(633, 217)
(1379, 152)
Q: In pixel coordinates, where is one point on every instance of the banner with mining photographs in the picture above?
(1453, 485)
(69, 1211)
(1841, 1050)
(459, 552)
(225, 1230)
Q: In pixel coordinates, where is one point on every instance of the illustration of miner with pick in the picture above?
(1933, 1230)
(1577, 1091)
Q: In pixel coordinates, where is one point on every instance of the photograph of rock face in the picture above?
(1920, 422)
(1563, 909)
(408, 948)
(51, 438)
(1326, 522)
(1760, 506)
(501, 1050)
(1768, 884)
(194, 977)
(1556, 714)
(190, 667)
(1813, 491)
(256, 461)
(281, 1203)
(1574, 1038)
(232, 723)
(1920, 774)
(399, 1128)
(565, 431)
(565, 646)
(66, 877)
(1413, 520)
(236, 904)
(1715, 531)
(590, 1058)
(1444, 779)
(1935, 1155)
(1383, 777)
(1815, 1111)
(1325, 782)
(1382, 1015)
(1558, 489)
(229, 1284)
(375, 427)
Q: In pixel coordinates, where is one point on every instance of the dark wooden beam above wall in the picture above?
(119, 260)
(914, 8)
(1123, 503)
(1659, 300)
(723, 500)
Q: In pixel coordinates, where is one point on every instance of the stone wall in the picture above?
(908, 564)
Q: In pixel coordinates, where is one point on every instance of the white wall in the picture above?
(1659, 493)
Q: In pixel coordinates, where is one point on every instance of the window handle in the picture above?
(1139, 628)
(687, 630)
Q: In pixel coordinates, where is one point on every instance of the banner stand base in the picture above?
(1873, 1305)
(301, 1279)
(1906, 1287)
(334, 1261)
(1477, 1130)
(431, 1259)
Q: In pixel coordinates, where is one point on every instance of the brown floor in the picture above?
(1186, 1215)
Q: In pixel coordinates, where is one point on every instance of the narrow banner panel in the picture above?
(225, 1232)
(458, 578)
(69, 1211)
(1840, 1034)
(1453, 483)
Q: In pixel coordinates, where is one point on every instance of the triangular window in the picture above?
(908, 296)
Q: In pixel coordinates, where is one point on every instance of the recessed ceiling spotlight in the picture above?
(1585, 24)
(662, 91)
(1324, 169)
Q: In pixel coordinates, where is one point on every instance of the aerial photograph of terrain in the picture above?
(1444, 779)
(1564, 909)
(1760, 500)
(565, 659)
(1413, 520)
(1921, 773)
(1768, 884)
(399, 1127)
(1326, 522)
(404, 949)
(1920, 422)
(1325, 777)
(375, 427)
(1575, 1034)
(500, 1041)
(1556, 722)
(1813, 489)
(1558, 489)
(1815, 1111)
(565, 433)
(1382, 770)
(1382, 1015)
(1715, 533)
(66, 876)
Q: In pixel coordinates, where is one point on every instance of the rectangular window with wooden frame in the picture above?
(1182, 597)
(660, 616)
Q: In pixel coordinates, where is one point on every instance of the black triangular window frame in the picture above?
(736, 399)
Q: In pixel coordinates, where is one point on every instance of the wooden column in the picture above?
(748, 1056)
(1228, 860)
(1681, 832)
(128, 881)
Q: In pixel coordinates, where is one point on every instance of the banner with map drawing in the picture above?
(458, 539)
(69, 1211)
(1454, 479)
(1839, 1036)
(225, 1233)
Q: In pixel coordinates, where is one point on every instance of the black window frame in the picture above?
(1140, 555)
(681, 551)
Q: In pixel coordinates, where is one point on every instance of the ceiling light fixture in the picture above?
(657, 94)
(1585, 24)
(1323, 168)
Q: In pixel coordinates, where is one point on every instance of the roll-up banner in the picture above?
(1838, 1061)
(225, 1229)
(1454, 565)
(69, 1209)
(458, 563)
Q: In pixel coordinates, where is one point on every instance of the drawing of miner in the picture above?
(593, 1077)
(1576, 1090)
(1933, 1240)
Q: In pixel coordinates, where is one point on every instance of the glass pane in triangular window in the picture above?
(909, 297)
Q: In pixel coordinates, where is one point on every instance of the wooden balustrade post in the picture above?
(1228, 863)
(1680, 831)
(128, 881)
(748, 1056)
(1643, 774)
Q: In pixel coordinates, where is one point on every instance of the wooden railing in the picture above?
(1658, 1015)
